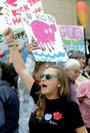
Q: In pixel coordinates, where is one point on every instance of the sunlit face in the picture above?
(49, 87)
(73, 73)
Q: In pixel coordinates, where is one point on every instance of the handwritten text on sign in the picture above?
(13, 7)
(45, 31)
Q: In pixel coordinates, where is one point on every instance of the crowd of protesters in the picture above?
(43, 96)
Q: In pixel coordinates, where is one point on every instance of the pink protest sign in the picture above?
(45, 31)
(73, 37)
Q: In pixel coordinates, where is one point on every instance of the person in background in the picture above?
(9, 74)
(87, 68)
(26, 101)
(69, 53)
(83, 94)
(54, 111)
(72, 68)
(80, 56)
(24, 95)
(9, 107)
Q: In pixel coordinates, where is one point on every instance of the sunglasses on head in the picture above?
(48, 76)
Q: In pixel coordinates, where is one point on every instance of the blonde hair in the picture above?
(63, 91)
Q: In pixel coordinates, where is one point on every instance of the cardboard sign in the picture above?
(73, 37)
(45, 31)
(11, 8)
(9, 17)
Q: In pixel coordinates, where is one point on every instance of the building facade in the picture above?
(65, 12)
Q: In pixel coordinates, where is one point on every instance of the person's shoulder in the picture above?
(4, 91)
(35, 91)
(36, 86)
(5, 87)
(3, 83)
(70, 103)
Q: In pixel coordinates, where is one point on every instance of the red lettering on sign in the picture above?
(16, 20)
(32, 2)
(22, 9)
(37, 10)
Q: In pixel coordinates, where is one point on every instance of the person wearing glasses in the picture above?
(53, 111)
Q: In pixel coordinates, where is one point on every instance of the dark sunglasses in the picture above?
(48, 76)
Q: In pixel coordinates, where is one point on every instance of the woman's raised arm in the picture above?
(17, 59)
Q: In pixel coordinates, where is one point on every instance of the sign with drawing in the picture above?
(73, 37)
(45, 31)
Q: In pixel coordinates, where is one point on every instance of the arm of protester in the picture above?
(30, 61)
(17, 59)
(81, 130)
(20, 47)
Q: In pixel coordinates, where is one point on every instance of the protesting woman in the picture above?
(54, 111)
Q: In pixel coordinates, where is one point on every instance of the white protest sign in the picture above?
(45, 31)
(73, 37)
(9, 17)
(11, 8)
